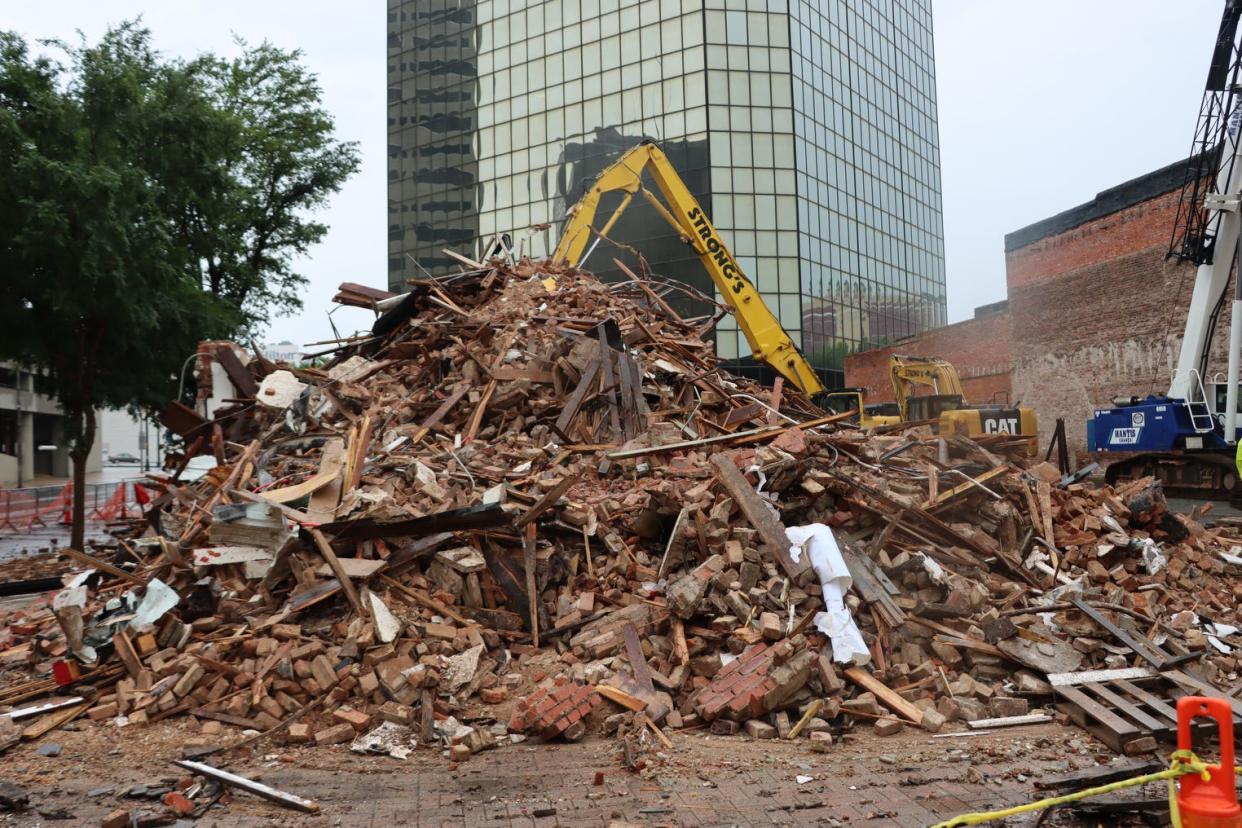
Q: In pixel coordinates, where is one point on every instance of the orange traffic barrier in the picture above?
(1211, 802)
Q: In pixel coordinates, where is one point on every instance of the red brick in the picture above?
(116, 819)
(354, 718)
(178, 803)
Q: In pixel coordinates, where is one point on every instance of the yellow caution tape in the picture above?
(1182, 762)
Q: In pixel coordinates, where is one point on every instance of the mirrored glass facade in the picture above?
(806, 129)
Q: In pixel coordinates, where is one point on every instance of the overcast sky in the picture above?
(1041, 106)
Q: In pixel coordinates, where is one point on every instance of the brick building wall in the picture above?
(1097, 309)
(979, 349)
(1094, 311)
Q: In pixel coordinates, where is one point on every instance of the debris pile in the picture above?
(531, 503)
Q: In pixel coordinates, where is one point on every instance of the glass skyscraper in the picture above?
(806, 129)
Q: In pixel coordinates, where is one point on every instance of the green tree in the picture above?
(146, 204)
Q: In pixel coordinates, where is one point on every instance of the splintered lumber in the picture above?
(427, 601)
(482, 516)
(439, 414)
(812, 710)
(760, 516)
(125, 651)
(103, 566)
(626, 700)
(347, 586)
(638, 662)
(477, 418)
(888, 697)
(547, 501)
(739, 438)
(934, 500)
(528, 563)
(288, 494)
(46, 725)
(297, 803)
(585, 385)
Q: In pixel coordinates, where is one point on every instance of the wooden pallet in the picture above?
(1122, 707)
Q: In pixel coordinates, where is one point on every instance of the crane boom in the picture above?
(1212, 276)
(768, 340)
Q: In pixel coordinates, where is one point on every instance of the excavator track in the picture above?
(1203, 476)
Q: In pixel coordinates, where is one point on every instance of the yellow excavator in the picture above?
(768, 340)
(928, 388)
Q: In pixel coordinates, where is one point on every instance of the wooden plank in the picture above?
(347, 586)
(288, 494)
(226, 718)
(812, 710)
(547, 501)
(532, 594)
(49, 723)
(585, 385)
(427, 601)
(440, 413)
(95, 563)
(127, 654)
(361, 568)
(739, 439)
(888, 697)
(1127, 707)
(1141, 646)
(740, 415)
(237, 373)
(673, 536)
(1088, 676)
(323, 501)
(610, 393)
(1009, 721)
(1201, 688)
(476, 419)
(1161, 706)
(631, 396)
(626, 700)
(760, 516)
(934, 501)
(943, 528)
(1043, 491)
(634, 652)
(1100, 714)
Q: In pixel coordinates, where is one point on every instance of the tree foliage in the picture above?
(147, 204)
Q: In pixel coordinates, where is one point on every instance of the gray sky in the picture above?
(1041, 106)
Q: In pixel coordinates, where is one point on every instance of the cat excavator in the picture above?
(928, 388)
(769, 342)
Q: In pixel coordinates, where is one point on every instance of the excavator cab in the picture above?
(854, 400)
(931, 406)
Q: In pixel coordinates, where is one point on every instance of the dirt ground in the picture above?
(909, 779)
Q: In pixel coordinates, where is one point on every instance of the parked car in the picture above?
(122, 457)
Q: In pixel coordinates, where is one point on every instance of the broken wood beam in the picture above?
(347, 586)
(759, 514)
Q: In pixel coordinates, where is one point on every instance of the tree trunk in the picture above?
(79, 454)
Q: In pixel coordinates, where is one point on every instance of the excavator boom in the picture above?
(769, 342)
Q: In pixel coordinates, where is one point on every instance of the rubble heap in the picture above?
(530, 500)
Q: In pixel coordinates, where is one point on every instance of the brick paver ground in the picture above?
(906, 780)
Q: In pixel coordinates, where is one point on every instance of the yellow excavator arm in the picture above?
(769, 343)
(906, 372)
